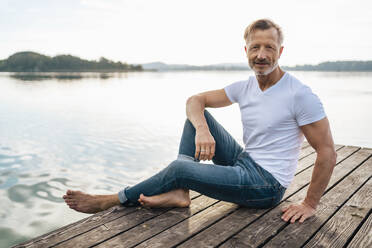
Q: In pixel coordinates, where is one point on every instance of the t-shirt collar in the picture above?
(272, 86)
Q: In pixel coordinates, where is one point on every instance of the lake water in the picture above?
(101, 132)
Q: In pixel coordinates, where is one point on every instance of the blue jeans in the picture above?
(234, 176)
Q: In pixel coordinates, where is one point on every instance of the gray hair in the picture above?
(263, 24)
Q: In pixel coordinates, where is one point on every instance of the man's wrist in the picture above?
(310, 203)
(201, 127)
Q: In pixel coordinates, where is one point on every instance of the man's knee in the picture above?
(209, 118)
(176, 168)
(188, 124)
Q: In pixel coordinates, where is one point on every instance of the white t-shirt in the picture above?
(271, 121)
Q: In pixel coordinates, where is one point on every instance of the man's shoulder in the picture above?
(249, 80)
(294, 84)
(241, 83)
(301, 92)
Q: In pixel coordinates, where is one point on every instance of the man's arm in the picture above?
(195, 105)
(318, 134)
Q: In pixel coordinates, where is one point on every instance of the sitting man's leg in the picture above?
(226, 153)
(165, 189)
(244, 183)
(152, 192)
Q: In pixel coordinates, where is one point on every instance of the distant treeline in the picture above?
(34, 62)
(325, 66)
(334, 66)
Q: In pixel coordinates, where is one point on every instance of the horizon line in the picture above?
(186, 64)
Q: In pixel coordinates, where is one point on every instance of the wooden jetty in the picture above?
(343, 217)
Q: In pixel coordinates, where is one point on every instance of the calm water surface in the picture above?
(99, 133)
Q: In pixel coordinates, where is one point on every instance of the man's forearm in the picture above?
(323, 168)
(195, 112)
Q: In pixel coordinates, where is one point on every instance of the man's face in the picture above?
(263, 51)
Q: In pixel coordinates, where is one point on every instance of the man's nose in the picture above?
(261, 54)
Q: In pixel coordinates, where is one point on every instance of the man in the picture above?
(276, 110)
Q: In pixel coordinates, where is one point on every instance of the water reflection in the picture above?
(43, 190)
(64, 76)
(9, 236)
(40, 77)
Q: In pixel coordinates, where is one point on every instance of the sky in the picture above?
(197, 32)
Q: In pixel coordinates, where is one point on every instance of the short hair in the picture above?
(263, 24)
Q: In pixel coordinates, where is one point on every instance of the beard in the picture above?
(264, 73)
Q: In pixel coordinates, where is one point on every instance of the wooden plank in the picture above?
(120, 225)
(304, 177)
(295, 235)
(305, 144)
(102, 231)
(341, 226)
(363, 237)
(305, 163)
(254, 232)
(309, 160)
(306, 151)
(185, 229)
(154, 226)
(84, 225)
(76, 228)
(220, 231)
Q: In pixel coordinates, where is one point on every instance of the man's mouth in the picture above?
(261, 63)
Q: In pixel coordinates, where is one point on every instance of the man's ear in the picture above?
(280, 51)
(245, 48)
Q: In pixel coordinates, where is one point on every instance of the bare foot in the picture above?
(174, 198)
(86, 203)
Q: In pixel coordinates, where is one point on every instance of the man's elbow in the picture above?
(328, 154)
(189, 100)
(193, 98)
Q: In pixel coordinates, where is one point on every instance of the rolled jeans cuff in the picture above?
(122, 197)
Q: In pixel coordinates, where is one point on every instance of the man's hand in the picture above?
(296, 211)
(204, 144)
(195, 106)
